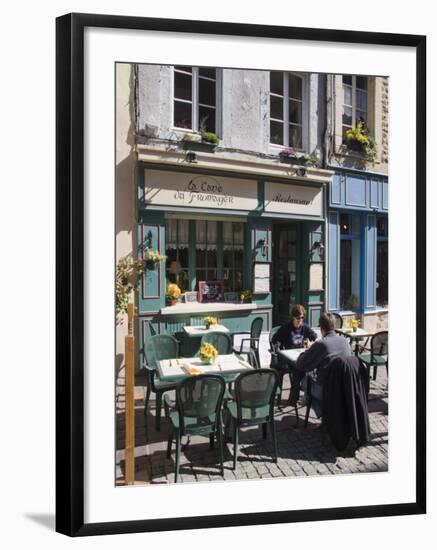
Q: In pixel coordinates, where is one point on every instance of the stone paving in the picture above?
(301, 451)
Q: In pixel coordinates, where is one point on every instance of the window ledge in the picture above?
(183, 309)
(376, 310)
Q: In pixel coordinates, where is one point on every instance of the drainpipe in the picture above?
(326, 150)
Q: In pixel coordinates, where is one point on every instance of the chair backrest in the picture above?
(254, 389)
(161, 346)
(338, 320)
(273, 331)
(221, 341)
(255, 330)
(379, 343)
(200, 397)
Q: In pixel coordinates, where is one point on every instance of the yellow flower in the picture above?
(210, 320)
(173, 291)
(208, 352)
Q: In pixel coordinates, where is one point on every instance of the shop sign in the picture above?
(199, 191)
(293, 199)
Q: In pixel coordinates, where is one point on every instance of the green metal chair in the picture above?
(253, 405)
(377, 355)
(198, 412)
(338, 320)
(157, 348)
(221, 341)
(254, 337)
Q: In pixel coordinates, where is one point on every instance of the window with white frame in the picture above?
(286, 109)
(355, 101)
(195, 98)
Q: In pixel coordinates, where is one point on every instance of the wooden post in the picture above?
(129, 414)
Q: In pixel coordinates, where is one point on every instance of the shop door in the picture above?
(285, 280)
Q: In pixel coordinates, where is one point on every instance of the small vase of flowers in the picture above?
(152, 259)
(208, 353)
(209, 321)
(173, 293)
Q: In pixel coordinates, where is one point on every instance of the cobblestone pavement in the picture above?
(301, 451)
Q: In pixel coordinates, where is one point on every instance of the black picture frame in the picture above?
(70, 289)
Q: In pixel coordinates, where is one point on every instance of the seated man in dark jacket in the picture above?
(319, 355)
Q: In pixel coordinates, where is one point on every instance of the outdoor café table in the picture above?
(193, 331)
(354, 336)
(227, 366)
(291, 355)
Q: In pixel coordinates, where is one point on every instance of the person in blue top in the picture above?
(294, 333)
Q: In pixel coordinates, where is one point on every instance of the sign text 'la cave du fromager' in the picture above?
(180, 189)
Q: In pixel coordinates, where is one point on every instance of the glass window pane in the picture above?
(382, 274)
(347, 116)
(182, 229)
(206, 71)
(345, 273)
(277, 82)
(294, 86)
(182, 114)
(361, 82)
(238, 232)
(295, 136)
(227, 233)
(347, 95)
(296, 112)
(347, 79)
(276, 132)
(361, 99)
(354, 224)
(211, 256)
(382, 227)
(212, 232)
(206, 92)
(345, 224)
(182, 86)
(183, 68)
(276, 107)
(238, 280)
(228, 256)
(206, 119)
(361, 116)
(200, 232)
(170, 231)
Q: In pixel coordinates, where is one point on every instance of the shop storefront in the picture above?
(262, 233)
(357, 228)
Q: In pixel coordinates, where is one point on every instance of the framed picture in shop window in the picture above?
(201, 202)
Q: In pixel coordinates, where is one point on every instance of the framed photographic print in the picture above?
(188, 152)
(232, 297)
(190, 297)
(211, 291)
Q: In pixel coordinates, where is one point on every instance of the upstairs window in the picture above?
(355, 101)
(286, 109)
(195, 98)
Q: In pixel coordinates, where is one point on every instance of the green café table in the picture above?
(354, 336)
(201, 330)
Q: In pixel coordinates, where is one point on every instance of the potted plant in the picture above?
(358, 139)
(152, 259)
(205, 141)
(246, 297)
(290, 156)
(173, 293)
(208, 321)
(208, 353)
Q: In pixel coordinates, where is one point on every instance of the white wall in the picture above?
(27, 278)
